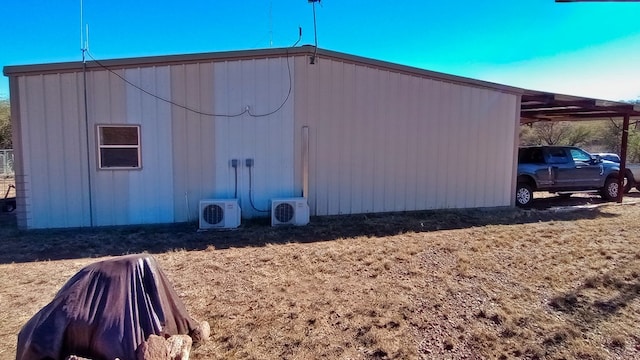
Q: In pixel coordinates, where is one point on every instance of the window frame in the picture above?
(100, 147)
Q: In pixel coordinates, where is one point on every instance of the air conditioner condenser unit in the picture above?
(219, 214)
(289, 211)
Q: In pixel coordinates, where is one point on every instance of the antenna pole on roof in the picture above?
(299, 36)
(84, 33)
(81, 29)
(271, 24)
(84, 47)
(315, 32)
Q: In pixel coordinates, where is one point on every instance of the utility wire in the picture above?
(246, 111)
(251, 194)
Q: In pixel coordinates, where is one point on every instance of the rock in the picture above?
(176, 347)
(179, 347)
(155, 348)
(201, 334)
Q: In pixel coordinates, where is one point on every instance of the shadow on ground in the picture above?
(25, 246)
(593, 302)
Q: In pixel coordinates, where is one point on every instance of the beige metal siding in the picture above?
(18, 151)
(132, 196)
(150, 192)
(204, 145)
(57, 166)
(52, 180)
(192, 135)
(381, 138)
(386, 141)
(263, 133)
(110, 188)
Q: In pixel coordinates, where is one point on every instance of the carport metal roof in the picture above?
(543, 106)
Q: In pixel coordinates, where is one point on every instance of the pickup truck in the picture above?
(563, 169)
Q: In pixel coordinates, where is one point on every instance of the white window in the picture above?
(119, 147)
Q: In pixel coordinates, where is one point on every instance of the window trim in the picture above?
(100, 146)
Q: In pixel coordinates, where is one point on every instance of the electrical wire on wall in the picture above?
(246, 111)
(234, 165)
(186, 199)
(249, 163)
(203, 113)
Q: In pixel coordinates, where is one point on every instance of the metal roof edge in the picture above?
(310, 50)
(552, 96)
(419, 71)
(548, 106)
(14, 70)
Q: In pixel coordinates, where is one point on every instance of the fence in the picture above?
(7, 178)
(6, 162)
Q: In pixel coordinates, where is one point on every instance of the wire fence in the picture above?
(7, 175)
(6, 162)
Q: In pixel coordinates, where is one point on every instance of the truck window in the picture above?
(580, 156)
(531, 156)
(557, 156)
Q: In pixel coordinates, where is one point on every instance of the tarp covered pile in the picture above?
(106, 311)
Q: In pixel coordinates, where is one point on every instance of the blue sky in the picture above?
(588, 49)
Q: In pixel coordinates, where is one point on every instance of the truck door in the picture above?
(572, 168)
(535, 156)
(588, 172)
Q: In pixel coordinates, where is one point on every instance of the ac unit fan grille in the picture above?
(284, 212)
(213, 214)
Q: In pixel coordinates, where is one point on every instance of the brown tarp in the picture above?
(106, 311)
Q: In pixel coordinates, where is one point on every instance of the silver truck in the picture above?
(632, 171)
(632, 175)
(564, 170)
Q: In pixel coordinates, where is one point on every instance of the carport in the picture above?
(543, 106)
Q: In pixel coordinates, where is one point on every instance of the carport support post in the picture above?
(623, 156)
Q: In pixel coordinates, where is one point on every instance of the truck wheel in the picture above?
(610, 190)
(524, 194)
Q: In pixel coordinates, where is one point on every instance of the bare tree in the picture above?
(556, 133)
(551, 133)
(579, 135)
(5, 125)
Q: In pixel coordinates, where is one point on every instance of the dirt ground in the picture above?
(558, 281)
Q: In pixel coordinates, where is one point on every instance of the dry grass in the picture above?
(537, 284)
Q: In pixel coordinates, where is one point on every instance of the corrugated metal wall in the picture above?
(385, 141)
(380, 140)
(193, 136)
(204, 144)
(56, 177)
(133, 196)
(264, 133)
(52, 173)
(186, 152)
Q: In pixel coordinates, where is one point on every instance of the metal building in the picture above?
(143, 140)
